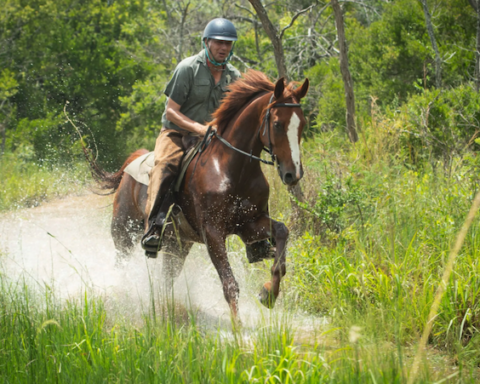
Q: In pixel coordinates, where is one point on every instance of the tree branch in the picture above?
(362, 4)
(245, 61)
(242, 18)
(295, 18)
(245, 9)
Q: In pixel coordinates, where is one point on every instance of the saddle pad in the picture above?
(140, 167)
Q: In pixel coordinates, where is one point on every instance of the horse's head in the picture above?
(285, 123)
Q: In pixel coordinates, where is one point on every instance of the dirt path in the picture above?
(66, 244)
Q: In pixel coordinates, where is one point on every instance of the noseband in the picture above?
(266, 122)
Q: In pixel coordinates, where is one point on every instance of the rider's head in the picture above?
(218, 40)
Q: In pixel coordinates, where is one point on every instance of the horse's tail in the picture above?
(111, 180)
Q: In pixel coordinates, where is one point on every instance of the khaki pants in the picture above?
(168, 155)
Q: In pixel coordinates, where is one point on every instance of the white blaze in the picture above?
(292, 134)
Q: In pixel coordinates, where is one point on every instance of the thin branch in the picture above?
(362, 4)
(320, 14)
(242, 18)
(295, 18)
(245, 9)
(244, 61)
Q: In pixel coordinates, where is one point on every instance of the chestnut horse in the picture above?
(224, 191)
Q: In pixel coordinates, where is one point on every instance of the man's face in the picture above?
(219, 49)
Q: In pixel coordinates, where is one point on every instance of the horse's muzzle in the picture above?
(290, 178)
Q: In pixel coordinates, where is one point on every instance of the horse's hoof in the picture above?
(266, 296)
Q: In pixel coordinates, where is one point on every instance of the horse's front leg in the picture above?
(215, 243)
(260, 229)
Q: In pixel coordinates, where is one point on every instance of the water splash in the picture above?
(66, 245)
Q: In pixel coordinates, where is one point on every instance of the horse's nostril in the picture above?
(289, 178)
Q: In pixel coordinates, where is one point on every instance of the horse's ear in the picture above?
(279, 88)
(302, 91)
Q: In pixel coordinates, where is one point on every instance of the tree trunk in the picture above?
(272, 33)
(347, 78)
(474, 4)
(438, 59)
(270, 30)
(182, 33)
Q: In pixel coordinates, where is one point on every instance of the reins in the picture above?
(266, 120)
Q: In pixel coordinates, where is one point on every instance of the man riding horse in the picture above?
(194, 92)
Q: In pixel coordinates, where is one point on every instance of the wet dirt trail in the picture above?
(66, 244)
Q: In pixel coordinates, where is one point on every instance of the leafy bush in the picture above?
(335, 200)
(439, 125)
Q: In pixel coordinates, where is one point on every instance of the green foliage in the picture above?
(331, 103)
(389, 56)
(143, 118)
(439, 125)
(380, 271)
(59, 51)
(8, 85)
(335, 198)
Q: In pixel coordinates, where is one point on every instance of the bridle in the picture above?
(266, 123)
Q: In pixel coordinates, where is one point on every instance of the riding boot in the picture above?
(151, 240)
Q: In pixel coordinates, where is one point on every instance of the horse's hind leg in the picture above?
(174, 255)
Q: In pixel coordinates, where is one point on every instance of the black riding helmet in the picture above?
(219, 29)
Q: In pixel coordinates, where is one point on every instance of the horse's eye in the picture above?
(277, 125)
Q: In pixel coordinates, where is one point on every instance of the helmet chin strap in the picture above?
(212, 60)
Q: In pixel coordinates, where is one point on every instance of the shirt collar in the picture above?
(202, 57)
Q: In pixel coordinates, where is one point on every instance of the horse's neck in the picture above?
(243, 132)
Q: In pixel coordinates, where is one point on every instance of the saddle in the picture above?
(140, 168)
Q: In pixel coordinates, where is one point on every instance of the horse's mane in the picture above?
(241, 92)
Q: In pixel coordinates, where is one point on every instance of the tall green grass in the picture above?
(46, 340)
(376, 235)
(26, 183)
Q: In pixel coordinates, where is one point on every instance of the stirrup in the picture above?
(151, 241)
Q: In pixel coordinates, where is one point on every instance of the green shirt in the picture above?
(193, 87)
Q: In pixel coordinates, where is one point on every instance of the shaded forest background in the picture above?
(110, 60)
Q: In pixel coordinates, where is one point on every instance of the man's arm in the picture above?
(174, 115)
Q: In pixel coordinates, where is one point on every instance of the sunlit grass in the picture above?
(28, 183)
(45, 339)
